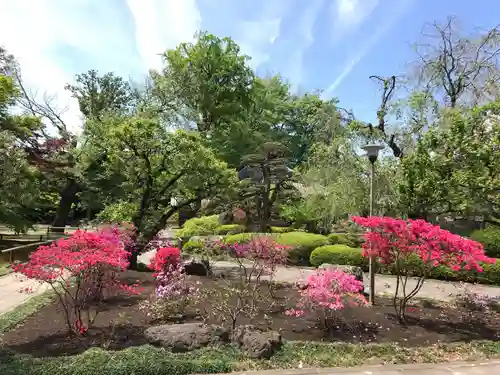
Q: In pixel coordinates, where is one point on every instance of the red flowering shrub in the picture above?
(81, 270)
(164, 258)
(327, 291)
(414, 248)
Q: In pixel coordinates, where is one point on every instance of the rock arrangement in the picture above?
(252, 341)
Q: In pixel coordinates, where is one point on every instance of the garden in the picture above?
(242, 317)
(231, 221)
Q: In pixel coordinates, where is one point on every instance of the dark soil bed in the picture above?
(121, 324)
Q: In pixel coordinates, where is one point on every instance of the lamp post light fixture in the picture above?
(372, 151)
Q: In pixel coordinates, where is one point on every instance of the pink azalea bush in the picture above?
(327, 291)
(82, 270)
(262, 254)
(413, 248)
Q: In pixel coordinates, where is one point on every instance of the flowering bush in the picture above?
(397, 242)
(475, 301)
(327, 291)
(264, 255)
(236, 297)
(90, 261)
(164, 258)
(172, 293)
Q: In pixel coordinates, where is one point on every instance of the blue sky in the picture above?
(332, 45)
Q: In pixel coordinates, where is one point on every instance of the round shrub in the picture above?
(281, 229)
(490, 239)
(349, 239)
(199, 226)
(301, 245)
(338, 254)
(192, 247)
(229, 229)
(241, 238)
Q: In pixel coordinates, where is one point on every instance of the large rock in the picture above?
(196, 267)
(187, 336)
(357, 272)
(256, 343)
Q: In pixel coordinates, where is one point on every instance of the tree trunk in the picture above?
(67, 198)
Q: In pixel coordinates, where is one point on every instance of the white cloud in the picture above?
(306, 23)
(348, 15)
(161, 25)
(28, 31)
(396, 12)
(256, 37)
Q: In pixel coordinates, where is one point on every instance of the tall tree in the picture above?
(161, 171)
(455, 166)
(100, 94)
(457, 67)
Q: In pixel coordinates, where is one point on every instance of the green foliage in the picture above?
(281, 229)
(161, 171)
(118, 212)
(98, 95)
(242, 238)
(199, 226)
(343, 239)
(149, 360)
(301, 245)
(228, 229)
(193, 247)
(453, 167)
(338, 254)
(490, 239)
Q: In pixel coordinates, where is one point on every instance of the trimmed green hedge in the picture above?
(229, 229)
(302, 244)
(337, 254)
(242, 238)
(349, 239)
(199, 226)
(490, 238)
(193, 246)
(343, 255)
(281, 229)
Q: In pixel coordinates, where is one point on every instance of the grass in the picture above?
(150, 360)
(12, 318)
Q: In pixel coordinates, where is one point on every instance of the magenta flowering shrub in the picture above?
(327, 291)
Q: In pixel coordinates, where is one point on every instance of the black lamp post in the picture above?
(372, 151)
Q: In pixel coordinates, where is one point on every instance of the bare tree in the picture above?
(458, 68)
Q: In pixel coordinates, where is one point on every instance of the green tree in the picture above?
(265, 178)
(454, 168)
(161, 171)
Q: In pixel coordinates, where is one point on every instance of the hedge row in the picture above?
(344, 255)
(301, 243)
(209, 225)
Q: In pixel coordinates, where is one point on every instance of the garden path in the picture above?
(384, 284)
(12, 292)
(458, 368)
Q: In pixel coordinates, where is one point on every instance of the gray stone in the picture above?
(256, 343)
(187, 336)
